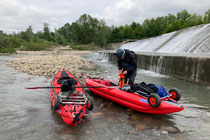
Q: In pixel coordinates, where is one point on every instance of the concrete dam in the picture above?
(184, 54)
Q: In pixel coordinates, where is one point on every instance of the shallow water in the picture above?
(27, 114)
(190, 123)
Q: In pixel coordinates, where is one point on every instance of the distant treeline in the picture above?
(89, 30)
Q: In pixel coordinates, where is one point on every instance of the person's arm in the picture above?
(119, 65)
(133, 63)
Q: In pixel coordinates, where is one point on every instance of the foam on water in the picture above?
(151, 73)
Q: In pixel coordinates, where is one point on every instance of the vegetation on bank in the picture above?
(83, 47)
(36, 46)
(87, 31)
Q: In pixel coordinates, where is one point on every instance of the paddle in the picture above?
(75, 87)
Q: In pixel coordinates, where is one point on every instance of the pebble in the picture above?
(48, 65)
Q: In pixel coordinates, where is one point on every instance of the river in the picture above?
(27, 114)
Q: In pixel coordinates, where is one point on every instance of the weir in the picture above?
(183, 54)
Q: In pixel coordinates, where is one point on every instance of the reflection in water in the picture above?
(27, 114)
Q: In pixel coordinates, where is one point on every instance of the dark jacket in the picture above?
(129, 63)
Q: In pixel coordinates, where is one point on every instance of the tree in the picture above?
(127, 32)
(27, 35)
(29, 30)
(47, 35)
(102, 33)
(183, 18)
(206, 17)
(67, 32)
(138, 32)
(60, 39)
(115, 35)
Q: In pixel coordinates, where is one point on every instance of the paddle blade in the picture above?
(39, 87)
(33, 87)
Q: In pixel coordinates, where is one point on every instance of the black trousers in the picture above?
(131, 77)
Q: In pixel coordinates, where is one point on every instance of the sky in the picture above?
(17, 15)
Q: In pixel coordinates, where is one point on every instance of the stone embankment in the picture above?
(48, 63)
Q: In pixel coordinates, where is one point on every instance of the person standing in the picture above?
(127, 64)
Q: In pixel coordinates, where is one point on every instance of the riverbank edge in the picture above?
(48, 63)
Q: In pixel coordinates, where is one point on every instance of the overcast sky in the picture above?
(17, 15)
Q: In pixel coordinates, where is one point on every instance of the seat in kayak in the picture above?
(65, 76)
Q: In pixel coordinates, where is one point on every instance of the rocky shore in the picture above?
(48, 63)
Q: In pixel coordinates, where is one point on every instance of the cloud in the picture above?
(126, 11)
(17, 15)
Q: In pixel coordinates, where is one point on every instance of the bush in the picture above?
(7, 50)
(9, 41)
(36, 46)
(82, 47)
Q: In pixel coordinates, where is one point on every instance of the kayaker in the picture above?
(127, 64)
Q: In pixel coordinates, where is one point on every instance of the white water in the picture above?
(191, 40)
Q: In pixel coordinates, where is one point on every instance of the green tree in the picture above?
(66, 31)
(183, 18)
(47, 35)
(102, 33)
(206, 17)
(27, 35)
(138, 32)
(60, 39)
(115, 35)
(127, 32)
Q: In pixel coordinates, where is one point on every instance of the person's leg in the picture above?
(126, 78)
(132, 77)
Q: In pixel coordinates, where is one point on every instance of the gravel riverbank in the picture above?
(48, 63)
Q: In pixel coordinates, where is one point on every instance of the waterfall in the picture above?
(102, 56)
(152, 67)
(156, 64)
(159, 64)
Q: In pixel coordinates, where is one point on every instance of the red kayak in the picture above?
(139, 101)
(69, 101)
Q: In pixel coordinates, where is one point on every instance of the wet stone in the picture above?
(140, 127)
(95, 115)
(48, 65)
(130, 111)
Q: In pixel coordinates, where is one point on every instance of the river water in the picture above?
(27, 114)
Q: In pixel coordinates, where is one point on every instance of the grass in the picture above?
(83, 47)
(37, 46)
(7, 50)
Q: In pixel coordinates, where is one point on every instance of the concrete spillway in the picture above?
(191, 40)
(184, 54)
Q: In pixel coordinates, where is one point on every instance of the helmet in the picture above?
(120, 53)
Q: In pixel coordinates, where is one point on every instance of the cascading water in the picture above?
(103, 56)
(159, 64)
